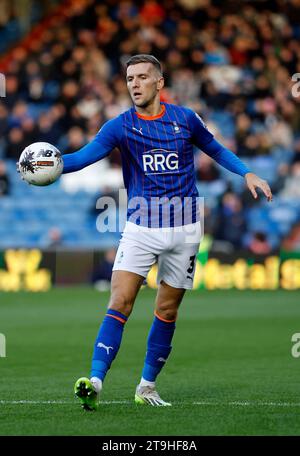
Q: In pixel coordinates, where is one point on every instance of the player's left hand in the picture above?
(253, 182)
(18, 170)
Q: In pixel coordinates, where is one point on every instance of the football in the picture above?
(40, 163)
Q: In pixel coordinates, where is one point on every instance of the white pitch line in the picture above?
(250, 404)
(215, 404)
(33, 402)
(56, 402)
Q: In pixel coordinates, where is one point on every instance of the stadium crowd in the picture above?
(231, 62)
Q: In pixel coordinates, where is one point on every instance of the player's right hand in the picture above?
(18, 170)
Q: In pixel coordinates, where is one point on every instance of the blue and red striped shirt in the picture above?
(157, 162)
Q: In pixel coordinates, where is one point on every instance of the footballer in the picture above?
(156, 143)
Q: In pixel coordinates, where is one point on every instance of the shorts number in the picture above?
(192, 264)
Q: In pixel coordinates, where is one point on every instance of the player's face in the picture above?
(144, 83)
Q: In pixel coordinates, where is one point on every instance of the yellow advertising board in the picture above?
(23, 272)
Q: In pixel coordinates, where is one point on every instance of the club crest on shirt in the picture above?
(176, 128)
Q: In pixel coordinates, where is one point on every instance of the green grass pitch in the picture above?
(231, 371)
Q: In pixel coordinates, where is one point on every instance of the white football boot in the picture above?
(147, 395)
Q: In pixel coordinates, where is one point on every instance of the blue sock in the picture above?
(107, 343)
(158, 347)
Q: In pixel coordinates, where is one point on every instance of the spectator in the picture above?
(29, 129)
(242, 132)
(206, 169)
(292, 183)
(12, 90)
(75, 139)
(296, 157)
(3, 119)
(235, 67)
(291, 242)
(16, 143)
(259, 244)
(102, 274)
(47, 129)
(231, 222)
(4, 180)
(54, 238)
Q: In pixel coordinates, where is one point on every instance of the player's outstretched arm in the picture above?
(104, 142)
(253, 182)
(87, 155)
(206, 142)
(230, 161)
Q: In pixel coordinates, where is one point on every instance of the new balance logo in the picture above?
(101, 345)
(140, 130)
(162, 360)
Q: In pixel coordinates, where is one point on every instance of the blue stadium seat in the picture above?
(265, 167)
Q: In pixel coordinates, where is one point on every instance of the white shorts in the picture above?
(174, 249)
